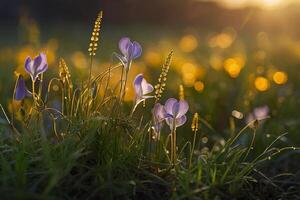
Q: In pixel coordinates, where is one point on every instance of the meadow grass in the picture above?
(86, 143)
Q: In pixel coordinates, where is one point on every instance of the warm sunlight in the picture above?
(270, 3)
(267, 4)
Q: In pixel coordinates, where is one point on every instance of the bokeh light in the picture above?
(280, 77)
(199, 86)
(261, 83)
(233, 66)
(188, 43)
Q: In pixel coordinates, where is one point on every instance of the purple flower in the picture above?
(159, 115)
(259, 113)
(36, 66)
(176, 111)
(142, 88)
(130, 51)
(21, 90)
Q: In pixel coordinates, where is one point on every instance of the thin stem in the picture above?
(121, 86)
(251, 144)
(89, 86)
(13, 105)
(90, 73)
(171, 147)
(9, 122)
(173, 139)
(63, 98)
(125, 83)
(33, 93)
(193, 148)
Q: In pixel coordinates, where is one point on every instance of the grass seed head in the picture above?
(64, 73)
(160, 86)
(181, 92)
(195, 122)
(95, 35)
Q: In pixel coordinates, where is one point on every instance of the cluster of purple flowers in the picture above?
(34, 68)
(173, 112)
(130, 51)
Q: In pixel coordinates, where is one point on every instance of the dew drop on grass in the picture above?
(293, 148)
(269, 158)
(268, 135)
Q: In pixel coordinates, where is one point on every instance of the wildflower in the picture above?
(159, 115)
(21, 90)
(259, 113)
(175, 112)
(130, 51)
(36, 66)
(142, 88)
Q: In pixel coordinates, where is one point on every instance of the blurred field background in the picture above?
(228, 54)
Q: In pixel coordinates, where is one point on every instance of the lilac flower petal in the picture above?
(146, 87)
(136, 50)
(180, 121)
(138, 85)
(183, 107)
(169, 121)
(21, 90)
(29, 66)
(157, 127)
(38, 60)
(159, 112)
(36, 66)
(41, 69)
(261, 112)
(124, 45)
(42, 65)
(175, 109)
(169, 106)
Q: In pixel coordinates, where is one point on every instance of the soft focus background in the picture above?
(228, 54)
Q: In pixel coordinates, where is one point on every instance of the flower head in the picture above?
(142, 88)
(130, 51)
(36, 66)
(175, 112)
(258, 113)
(21, 91)
(159, 115)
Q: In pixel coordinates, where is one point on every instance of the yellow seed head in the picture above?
(195, 122)
(95, 35)
(64, 73)
(181, 92)
(160, 86)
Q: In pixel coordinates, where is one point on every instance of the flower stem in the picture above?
(33, 93)
(173, 143)
(193, 148)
